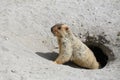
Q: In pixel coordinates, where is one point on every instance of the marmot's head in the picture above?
(60, 30)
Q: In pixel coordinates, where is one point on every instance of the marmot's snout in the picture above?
(55, 29)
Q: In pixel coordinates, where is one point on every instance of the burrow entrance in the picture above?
(102, 53)
(101, 57)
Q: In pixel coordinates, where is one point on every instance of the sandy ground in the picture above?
(27, 45)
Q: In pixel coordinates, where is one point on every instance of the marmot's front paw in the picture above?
(55, 62)
(58, 62)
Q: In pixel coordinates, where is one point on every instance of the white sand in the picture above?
(26, 43)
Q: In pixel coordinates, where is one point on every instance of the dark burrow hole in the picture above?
(98, 46)
(102, 53)
(101, 57)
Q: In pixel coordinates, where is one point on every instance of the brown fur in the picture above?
(71, 48)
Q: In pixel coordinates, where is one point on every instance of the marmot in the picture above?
(72, 49)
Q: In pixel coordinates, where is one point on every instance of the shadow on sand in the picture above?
(53, 55)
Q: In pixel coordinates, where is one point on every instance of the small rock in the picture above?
(109, 22)
(13, 71)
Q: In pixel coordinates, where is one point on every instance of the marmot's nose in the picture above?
(52, 29)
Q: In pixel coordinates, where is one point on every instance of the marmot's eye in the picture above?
(59, 28)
